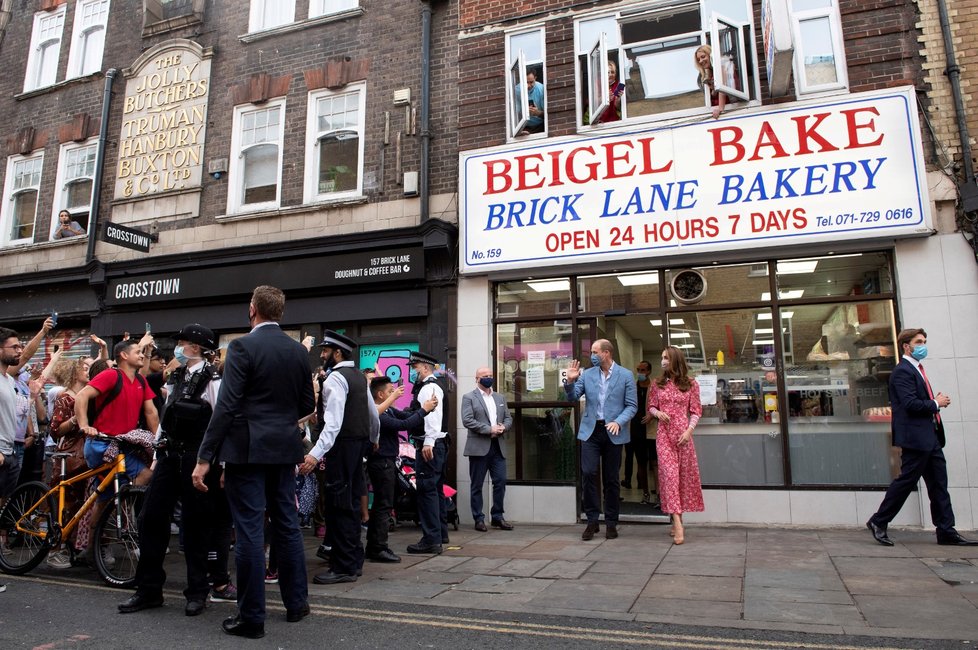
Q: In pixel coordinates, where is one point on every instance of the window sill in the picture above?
(818, 94)
(290, 210)
(527, 138)
(37, 92)
(667, 120)
(251, 37)
(162, 26)
(32, 246)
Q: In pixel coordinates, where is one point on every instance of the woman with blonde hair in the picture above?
(703, 60)
(674, 400)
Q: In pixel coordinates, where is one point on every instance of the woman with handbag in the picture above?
(674, 400)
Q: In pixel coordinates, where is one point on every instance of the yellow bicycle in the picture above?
(32, 522)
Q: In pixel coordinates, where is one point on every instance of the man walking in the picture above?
(919, 432)
(487, 419)
(430, 463)
(254, 430)
(350, 424)
(611, 404)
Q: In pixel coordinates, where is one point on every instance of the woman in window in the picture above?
(67, 227)
(703, 60)
(615, 90)
(674, 400)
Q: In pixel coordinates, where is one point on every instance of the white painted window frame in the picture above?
(802, 87)
(32, 79)
(236, 179)
(311, 193)
(8, 196)
(79, 64)
(61, 183)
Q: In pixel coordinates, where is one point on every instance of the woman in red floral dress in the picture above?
(674, 400)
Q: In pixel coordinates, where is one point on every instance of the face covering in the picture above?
(919, 352)
(665, 364)
(595, 360)
(180, 355)
(413, 376)
(642, 376)
(485, 382)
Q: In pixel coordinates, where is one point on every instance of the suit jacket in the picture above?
(913, 423)
(265, 391)
(620, 403)
(475, 417)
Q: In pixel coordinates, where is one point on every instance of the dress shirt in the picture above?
(604, 379)
(432, 422)
(335, 391)
(916, 365)
(490, 406)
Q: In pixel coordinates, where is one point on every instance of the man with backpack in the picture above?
(190, 397)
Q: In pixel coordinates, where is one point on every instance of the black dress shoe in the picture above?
(385, 555)
(481, 526)
(879, 534)
(954, 539)
(194, 608)
(589, 532)
(323, 552)
(421, 549)
(611, 531)
(445, 540)
(294, 616)
(236, 627)
(138, 602)
(502, 524)
(330, 578)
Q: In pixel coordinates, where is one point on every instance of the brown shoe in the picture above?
(611, 531)
(589, 532)
(481, 526)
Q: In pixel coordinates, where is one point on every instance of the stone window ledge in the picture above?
(37, 92)
(300, 25)
(291, 210)
(34, 246)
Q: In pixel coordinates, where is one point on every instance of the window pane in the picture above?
(529, 43)
(661, 77)
(805, 5)
(728, 284)
(739, 10)
(738, 440)
(730, 74)
(838, 275)
(261, 174)
(590, 31)
(25, 208)
(322, 7)
(838, 359)
(47, 64)
(530, 358)
(533, 298)
(818, 51)
(79, 195)
(339, 162)
(548, 444)
(619, 292)
(92, 43)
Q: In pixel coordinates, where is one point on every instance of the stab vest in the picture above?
(186, 414)
(356, 420)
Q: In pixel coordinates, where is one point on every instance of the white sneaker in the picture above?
(3, 588)
(59, 560)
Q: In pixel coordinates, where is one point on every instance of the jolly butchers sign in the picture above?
(809, 172)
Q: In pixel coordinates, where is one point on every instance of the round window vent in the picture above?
(688, 287)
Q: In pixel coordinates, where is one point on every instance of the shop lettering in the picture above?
(610, 160)
(519, 214)
(147, 288)
(793, 182)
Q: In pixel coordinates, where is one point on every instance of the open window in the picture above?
(76, 176)
(335, 131)
(597, 67)
(20, 198)
(526, 98)
(729, 56)
(519, 105)
(820, 61)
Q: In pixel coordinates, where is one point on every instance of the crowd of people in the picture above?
(227, 443)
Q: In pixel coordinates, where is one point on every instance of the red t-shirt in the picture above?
(122, 413)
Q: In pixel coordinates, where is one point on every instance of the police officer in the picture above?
(350, 426)
(191, 394)
(432, 440)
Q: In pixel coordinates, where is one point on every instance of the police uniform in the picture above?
(193, 390)
(350, 426)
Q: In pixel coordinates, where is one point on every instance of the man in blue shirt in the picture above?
(535, 98)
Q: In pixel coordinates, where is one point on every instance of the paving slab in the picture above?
(578, 596)
(731, 566)
(479, 565)
(487, 550)
(932, 549)
(694, 588)
(625, 567)
(399, 591)
(503, 585)
(505, 602)
(759, 609)
(818, 580)
(631, 579)
(762, 540)
(690, 610)
(442, 562)
(563, 569)
(852, 544)
(922, 587)
(949, 616)
(710, 547)
(796, 595)
(953, 571)
(517, 568)
(882, 567)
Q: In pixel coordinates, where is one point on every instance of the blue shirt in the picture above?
(537, 97)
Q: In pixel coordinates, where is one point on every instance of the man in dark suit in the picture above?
(266, 390)
(918, 430)
(487, 419)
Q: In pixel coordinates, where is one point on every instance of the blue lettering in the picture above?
(731, 189)
(783, 183)
(816, 174)
(543, 206)
(516, 210)
(495, 220)
(607, 205)
(686, 190)
(569, 201)
(843, 176)
(871, 174)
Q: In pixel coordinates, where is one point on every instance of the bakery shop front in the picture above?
(765, 245)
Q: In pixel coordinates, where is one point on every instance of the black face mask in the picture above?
(486, 382)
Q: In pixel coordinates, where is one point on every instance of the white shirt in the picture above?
(490, 406)
(8, 413)
(213, 386)
(603, 388)
(335, 392)
(432, 421)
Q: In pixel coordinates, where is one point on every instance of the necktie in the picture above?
(930, 392)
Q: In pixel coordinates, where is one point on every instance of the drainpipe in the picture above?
(953, 73)
(103, 134)
(425, 104)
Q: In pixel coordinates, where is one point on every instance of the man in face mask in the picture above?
(487, 419)
(919, 432)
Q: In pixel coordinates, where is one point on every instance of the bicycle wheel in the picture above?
(25, 535)
(116, 541)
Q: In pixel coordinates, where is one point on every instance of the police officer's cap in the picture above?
(336, 340)
(421, 357)
(197, 333)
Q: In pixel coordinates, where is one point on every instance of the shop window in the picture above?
(256, 159)
(88, 37)
(42, 60)
(267, 14)
(618, 292)
(820, 61)
(859, 274)
(531, 298)
(644, 62)
(335, 129)
(838, 362)
(325, 7)
(20, 198)
(76, 174)
(526, 93)
(720, 285)
(732, 355)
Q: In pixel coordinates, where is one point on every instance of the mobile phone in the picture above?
(56, 347)
(620, 87)
(148, 328)
(532, 105)
(54, 318)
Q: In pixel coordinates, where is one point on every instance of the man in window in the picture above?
(535, 99)
(66, 227)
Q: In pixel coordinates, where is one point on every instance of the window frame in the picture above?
(32, 80)
(516, 61)
(311, 193)
(257, 10)
(10, 193)
(802, 87)
(716, 20)
(80, 34)
(62, 181)
(236, 167)
(319, 8)
(598, 53)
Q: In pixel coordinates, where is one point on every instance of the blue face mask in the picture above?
(919, 352)
(485, 382)
(179, 354)
(595, 360)
(413, 376)
(642, 376)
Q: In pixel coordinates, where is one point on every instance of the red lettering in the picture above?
(719, 144)
(612, 159)
(524, 169)
(768, 138)
(555, 168)
(575, 240)
(492, 175)
(647, 158)
(592, 166)
(806, 133)
(852, 127)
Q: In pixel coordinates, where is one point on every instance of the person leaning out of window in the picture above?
(67, 227)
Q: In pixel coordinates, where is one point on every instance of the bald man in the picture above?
(487, 419)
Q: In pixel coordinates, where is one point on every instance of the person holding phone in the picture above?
(536, 98)
(615, 91)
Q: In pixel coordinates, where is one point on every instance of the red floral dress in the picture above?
(679, 473)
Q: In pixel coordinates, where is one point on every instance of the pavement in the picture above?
(816, 580)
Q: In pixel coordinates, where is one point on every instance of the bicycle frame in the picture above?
(113, 470)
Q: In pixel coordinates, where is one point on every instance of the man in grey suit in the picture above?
(486, 417)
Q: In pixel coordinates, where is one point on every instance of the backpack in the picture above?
(94, 411)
